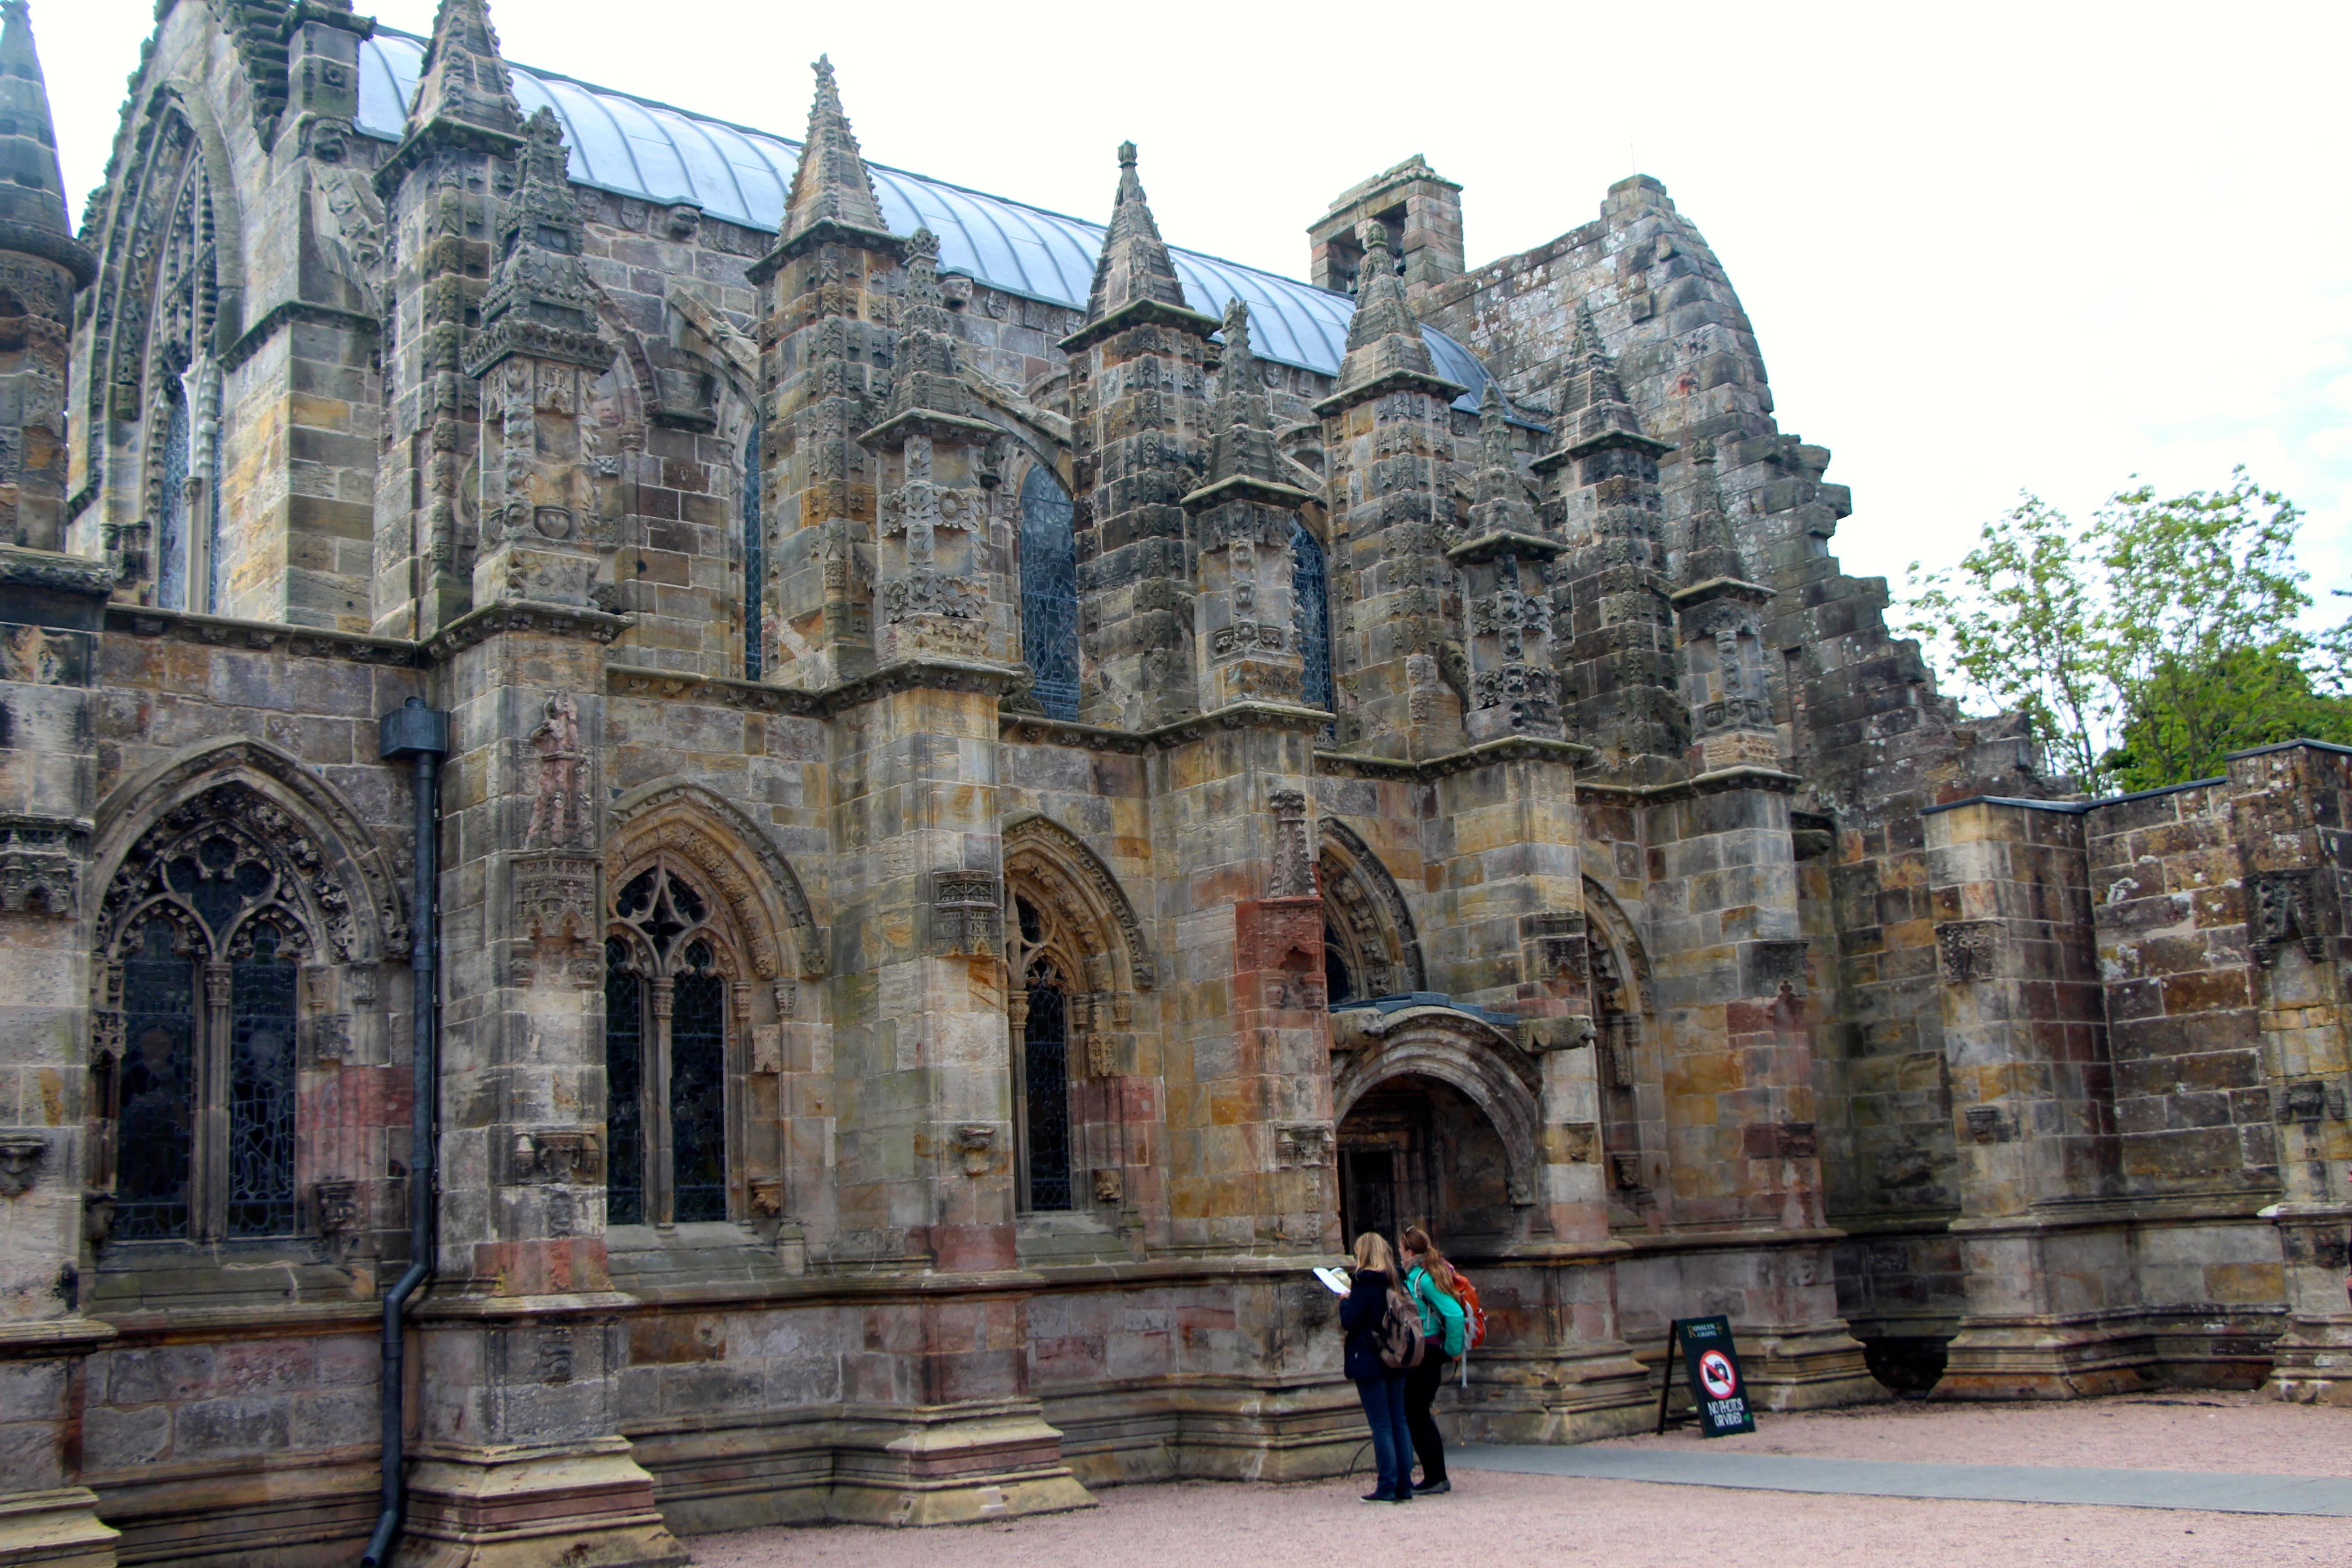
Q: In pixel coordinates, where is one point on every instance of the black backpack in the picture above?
(1402, 1340)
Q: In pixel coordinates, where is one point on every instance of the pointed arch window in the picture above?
(1311, 608)
(1049, 593)
(172, 515)
(670, 999)
(195, 1076)
(755, 559)
(1042, 1082)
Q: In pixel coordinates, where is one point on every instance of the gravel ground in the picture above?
(1497, 1519)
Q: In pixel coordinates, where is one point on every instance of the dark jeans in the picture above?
(1421, 1386)
(1383, 1400)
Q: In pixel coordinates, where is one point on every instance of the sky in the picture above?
(1987, 248)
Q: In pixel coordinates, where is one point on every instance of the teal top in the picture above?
(1441, 1314)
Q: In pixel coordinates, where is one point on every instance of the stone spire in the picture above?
(1502, 506)
(463, 82)
(1134, 266)
(1240, 438)
(927, 383)
(1714, 554)
(832, 188)
(541, 302)
(1385, 347)
(32, 190)
(1595, 391)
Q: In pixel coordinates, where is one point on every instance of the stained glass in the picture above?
(698, 1092)
(157, 1131)
(261, 1091)
(1049, 593)
(1311, 612)
(624, 1039)
(755, 558)
(1046, 1051)
(171, 526)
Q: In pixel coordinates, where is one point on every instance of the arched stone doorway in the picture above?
(1414, 1149)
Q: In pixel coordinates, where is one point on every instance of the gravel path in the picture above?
(1497, 1519)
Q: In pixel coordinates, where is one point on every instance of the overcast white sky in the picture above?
(1987, 247)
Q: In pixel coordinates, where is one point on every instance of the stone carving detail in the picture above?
(1797, 1140)
(555, 912)
(2283, 907)
(976, 1145)
(967, 914)
(767, 1196)
(555, 1353)
(1579, 1141)
(2311, 1098)
(562, 809)
(709, 849)
(1780, 967)
(336, 1206)
(1110, 1186)
(1571, 1032)
(21, 1155)
(1990, 1124)
(1303, 1143)
(1293, 876)
(1368, 913)
(565, 1156)
(40, 865)
(1968, 950)
(232, 836)
(1625, 1172)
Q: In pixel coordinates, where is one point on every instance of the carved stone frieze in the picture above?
(1303, 1143)
(563, 810)
(2283, 906)
(1969, 951)
(1293, 875)
(40, 865)
(568, 1156)
(967, 914)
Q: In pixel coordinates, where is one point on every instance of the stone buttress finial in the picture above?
(832, 185)
(1134, 267)
(1241, 442)
(541, 301)
(1384, 340)
(1502, 505)
(464, 77)
(1714, 550)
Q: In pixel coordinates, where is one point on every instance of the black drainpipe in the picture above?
(420, 734)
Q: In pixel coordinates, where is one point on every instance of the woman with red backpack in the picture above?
(1383, 1344)
(1429, 1282)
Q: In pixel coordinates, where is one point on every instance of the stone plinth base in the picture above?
(2310, 1364)
(1807, 1369)
(1537, 1397)
(58, 1529)
(585, 1506)
(951, 1466)
(2045, 1359)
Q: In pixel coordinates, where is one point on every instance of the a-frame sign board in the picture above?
(1718, 1388)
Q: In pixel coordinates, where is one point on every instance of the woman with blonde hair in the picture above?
(1429, 1282)
(1378, 1384)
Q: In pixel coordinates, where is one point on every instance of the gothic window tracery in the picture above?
(183, 407)
(205, 931)
(1370, 946)
(1049, 593)
(1311, 610)
(672, 992)
(755, 559)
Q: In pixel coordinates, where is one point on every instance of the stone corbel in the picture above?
(40, 865)
(1990, 1124)
(1625, 1172)
(1110, 1186)
(967, 915)
(335, 1207)
(1567, 1032)
(767, 1196)
(976, 1145)
(564, 1155)
(1303, 1143)
(21, 1156)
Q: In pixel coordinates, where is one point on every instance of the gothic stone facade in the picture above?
(936, 777)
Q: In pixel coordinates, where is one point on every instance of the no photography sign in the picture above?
(1717, 1390)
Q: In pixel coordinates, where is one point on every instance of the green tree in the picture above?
(2149, 644)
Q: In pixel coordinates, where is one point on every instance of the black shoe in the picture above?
(1401, 1497)
(1376, 1497)
(1439, 1486)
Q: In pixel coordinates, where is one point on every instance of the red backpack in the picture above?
(1467, 1294)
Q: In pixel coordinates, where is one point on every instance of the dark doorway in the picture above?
(1415, 1151)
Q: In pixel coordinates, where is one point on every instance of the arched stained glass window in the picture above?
(1045, 1064)
(1049, 593)
(666, 1025)
(1311, 606)
(207, 955)
(172, 516)
(755, 560)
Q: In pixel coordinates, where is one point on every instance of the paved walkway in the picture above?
(2204, 1490)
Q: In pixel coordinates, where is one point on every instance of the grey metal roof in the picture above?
(635, 147)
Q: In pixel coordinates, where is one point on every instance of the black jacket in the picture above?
(1361, 1315)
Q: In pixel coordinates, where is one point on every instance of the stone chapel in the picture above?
(693, 832)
